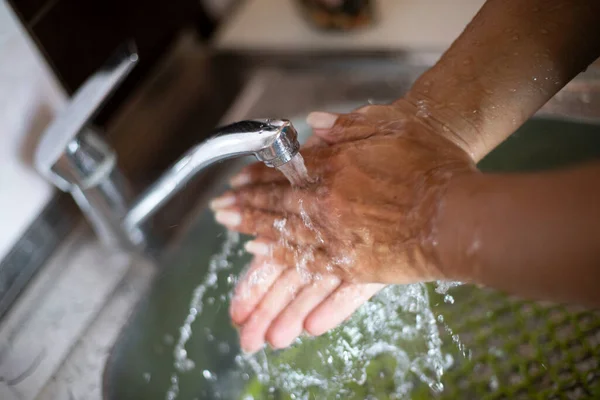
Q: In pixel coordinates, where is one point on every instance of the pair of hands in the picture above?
(380, 174)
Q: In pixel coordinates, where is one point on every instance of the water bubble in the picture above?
(173, 390)
(208, 375)
(231, 279)
(422, 109)
(224, 348)
(147, 376)
(585, 97)
(168, 339)
(494, 384)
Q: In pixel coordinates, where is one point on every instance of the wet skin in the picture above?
(397, 197)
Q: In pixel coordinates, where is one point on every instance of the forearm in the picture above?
(536, 235)
(512, 58)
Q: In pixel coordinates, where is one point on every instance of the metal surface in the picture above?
(271, 141)
(34, 248)
(79, 161)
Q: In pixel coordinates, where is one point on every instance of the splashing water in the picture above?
(218, 263)
(396, 328)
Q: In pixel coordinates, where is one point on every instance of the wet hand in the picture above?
(379, 175)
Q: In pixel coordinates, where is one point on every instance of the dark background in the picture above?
(76, 37)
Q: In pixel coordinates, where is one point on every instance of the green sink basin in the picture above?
(509, 348)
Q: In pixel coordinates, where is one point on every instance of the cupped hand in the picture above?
(366, 219)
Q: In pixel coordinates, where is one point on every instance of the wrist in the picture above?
(445, 120)
(457, 244)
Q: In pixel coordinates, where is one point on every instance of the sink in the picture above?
(510, 347)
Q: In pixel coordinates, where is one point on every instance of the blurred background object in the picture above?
(338, 15)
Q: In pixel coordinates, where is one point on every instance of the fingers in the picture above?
(274, 198)
(339, 128)
(290, 323)
(252, 288)
(308, 259)
(283, 291)
(339, 306)
(362, 123)
(268, 225)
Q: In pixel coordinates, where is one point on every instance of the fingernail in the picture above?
(257, 248)
(240, 180)
(228, 218)
(321, 120)
(222, 202)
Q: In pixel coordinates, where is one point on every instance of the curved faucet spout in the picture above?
(272, 141)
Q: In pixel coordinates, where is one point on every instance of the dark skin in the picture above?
(397, 191)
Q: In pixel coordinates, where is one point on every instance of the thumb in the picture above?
(338, 128)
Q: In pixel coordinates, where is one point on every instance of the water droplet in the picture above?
(515, 37)
(448, 299)
(224, 348)
(207, 374)
(494, 384)
(147, 376)
(586, 97)
(422, 109)
(544, 31)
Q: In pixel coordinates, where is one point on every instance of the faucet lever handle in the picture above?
(58, 152)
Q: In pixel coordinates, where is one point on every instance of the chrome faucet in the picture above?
(73, 156)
